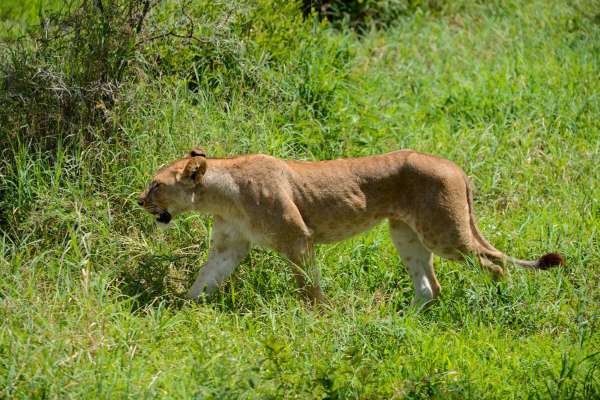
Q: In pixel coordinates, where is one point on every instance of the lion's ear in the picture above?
(194, 170)
(197, 152)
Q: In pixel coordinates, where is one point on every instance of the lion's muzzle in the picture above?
(164, 217)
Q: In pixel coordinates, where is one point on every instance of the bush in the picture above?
(362, 14)
(63, 77)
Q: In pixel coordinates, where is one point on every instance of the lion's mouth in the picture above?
(164, 217)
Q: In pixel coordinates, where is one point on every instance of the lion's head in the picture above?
(173, 186)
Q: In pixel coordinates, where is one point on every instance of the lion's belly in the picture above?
(335, 230)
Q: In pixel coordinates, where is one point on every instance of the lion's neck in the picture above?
(219, 192)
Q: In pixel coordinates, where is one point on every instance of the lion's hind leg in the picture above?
(419, 263)
(496, 270)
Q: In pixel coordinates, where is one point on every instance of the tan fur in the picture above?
(290, 206)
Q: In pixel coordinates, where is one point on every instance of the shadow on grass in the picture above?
(158, 279)
(165, 279)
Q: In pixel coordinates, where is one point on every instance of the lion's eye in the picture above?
(154, 186)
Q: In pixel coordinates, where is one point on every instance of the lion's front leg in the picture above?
(302, 259)
(227, 249)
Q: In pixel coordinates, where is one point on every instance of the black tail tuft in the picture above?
(550, 260)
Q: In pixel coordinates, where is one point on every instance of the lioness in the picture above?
(290, 206)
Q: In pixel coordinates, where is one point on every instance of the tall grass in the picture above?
(90, 292)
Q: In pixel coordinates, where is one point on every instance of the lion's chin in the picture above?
(163, 226)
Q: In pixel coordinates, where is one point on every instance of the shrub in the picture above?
(362, 14)
(63, 76)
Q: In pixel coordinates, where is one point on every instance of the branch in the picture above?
(140, 22)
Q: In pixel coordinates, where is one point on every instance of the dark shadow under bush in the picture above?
(360, 15)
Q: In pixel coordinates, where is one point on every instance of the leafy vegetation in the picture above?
(90, 292)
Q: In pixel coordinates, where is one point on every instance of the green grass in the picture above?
(90, 302)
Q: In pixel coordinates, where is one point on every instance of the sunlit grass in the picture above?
(90, 292)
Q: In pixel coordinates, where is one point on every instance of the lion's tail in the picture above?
(488, 251)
